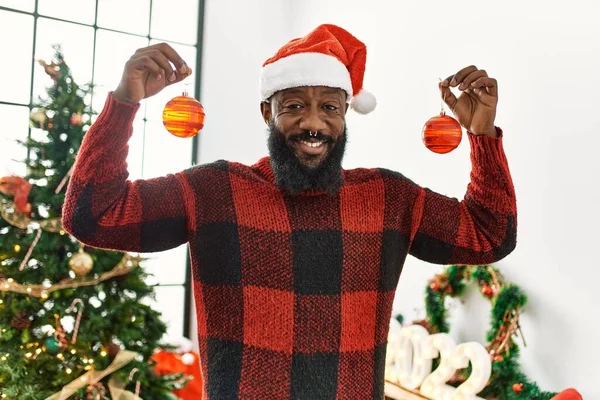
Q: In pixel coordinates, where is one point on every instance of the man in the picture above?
(295, 260)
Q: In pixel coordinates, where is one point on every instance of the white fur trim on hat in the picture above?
(364, 102)
(304, 69)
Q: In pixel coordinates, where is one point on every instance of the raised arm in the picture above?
(102, 207)
(482, 228)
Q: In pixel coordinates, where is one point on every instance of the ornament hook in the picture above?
(442, 112)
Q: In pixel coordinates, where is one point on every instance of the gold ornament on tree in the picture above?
(81, 263)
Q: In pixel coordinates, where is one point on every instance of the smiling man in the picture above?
(295, 260)
(307, 137)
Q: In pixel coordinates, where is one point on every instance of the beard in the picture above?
(293, 176)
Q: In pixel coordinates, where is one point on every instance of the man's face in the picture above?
(311, 120)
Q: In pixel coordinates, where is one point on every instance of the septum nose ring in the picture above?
(312, 134)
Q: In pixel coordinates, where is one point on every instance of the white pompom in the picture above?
(364, 102)
(188, 358)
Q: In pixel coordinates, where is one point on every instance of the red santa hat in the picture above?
(328, 56)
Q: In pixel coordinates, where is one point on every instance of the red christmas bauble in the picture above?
(518, 387)
(487, 291)
(183, 116)
(442, 134)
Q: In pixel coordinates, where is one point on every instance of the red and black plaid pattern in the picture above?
(293, 293)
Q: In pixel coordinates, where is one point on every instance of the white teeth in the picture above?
(315, 144)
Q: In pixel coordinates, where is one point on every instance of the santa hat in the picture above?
(328, 56)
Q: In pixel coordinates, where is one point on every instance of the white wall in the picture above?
(238, 37)
(546, 58)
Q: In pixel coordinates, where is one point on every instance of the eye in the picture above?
(294, 106)
(330, 107)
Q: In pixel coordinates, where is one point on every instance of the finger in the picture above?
(447, 96)
(172, 56)
(487, 84)
(181, 77)
(456, 79)
(473, 76)
(161, 60)
(144, 63)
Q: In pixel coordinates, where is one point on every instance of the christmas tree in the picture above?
(71, 317)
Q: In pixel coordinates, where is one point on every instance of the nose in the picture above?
(312, 121)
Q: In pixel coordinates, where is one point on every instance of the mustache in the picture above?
(305, 135)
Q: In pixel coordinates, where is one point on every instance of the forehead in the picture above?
(312, 91)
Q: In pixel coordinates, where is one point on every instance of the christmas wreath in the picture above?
(507, 381)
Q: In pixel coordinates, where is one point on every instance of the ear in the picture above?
(265, 110)
(347, 106)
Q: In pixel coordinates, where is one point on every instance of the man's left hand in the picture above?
(475, 108)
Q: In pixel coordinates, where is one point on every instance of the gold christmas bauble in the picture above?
(81, 263)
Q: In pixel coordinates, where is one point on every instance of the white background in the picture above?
(546, 57)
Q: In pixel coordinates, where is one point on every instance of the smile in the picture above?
(311, 147)
(312, 144)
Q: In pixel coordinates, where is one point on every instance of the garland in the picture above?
(124, 266)
(9, 213)
(507, 381)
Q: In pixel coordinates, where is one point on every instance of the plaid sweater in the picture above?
(293, 294)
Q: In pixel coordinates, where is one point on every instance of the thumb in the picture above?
(447, 96)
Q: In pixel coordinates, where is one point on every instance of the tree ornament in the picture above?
(96, 391)
(113, 349)
(20, 321)
(52, 346)
(52, 69)
(442, 133)
(39, 118)
(60, 335)
(439, 283)
(138, 384)
(487, 290)
(183, 116)
(518, 387)
(78, 319)
(76, 119)
(28, 255)
(81, 263)
(19, 188)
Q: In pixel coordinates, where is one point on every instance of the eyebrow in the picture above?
(333, 91)
(294, 91)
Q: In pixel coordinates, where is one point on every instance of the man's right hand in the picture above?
(149, 71)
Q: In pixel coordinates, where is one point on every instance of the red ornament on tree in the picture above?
(518, 387)
(183, 116)
(487, 290)
(19, 188)
(442, 134)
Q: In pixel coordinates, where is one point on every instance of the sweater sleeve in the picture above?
(104, 209)
(480, 229)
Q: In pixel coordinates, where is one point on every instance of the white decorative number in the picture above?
(413, 368)
(434, 386)
(480, 372)
(411, 350)
(391, 370)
